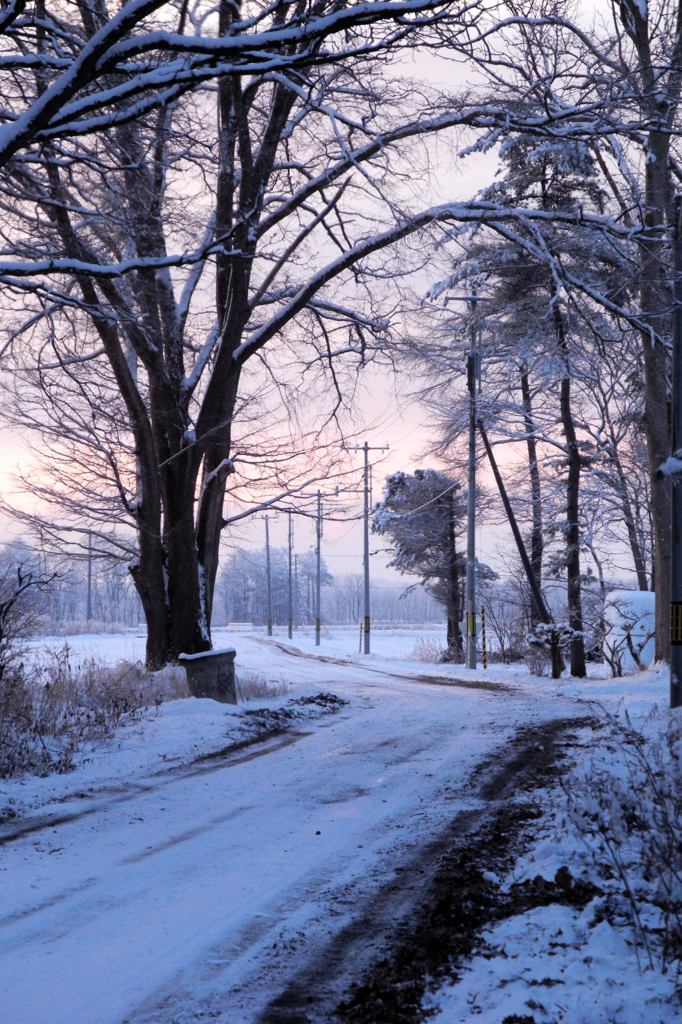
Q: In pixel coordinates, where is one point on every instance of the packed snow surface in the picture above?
(190, 861)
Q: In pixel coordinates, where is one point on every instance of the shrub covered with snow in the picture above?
(627, 809)
(629, 630)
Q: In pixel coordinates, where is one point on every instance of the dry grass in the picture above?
(255, 686)
(427, 651)
(52, 709)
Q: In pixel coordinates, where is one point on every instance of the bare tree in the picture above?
(138, 374)
(68, 74)
(303, 142)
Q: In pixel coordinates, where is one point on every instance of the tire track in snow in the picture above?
(274, 728)
(225, 758)
(467, 684)
(163, 915)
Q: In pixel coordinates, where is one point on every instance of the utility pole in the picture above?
(313, 587)
(676, 567)
(267, 563)
(367, 490)
(471, 502)
(366, 550)
(89, 609)
(291, 603)
(473, 368)
(319, 569)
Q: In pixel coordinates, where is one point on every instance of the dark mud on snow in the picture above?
(463, 898)
(444, 910)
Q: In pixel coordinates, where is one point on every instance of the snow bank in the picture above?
(556, 964)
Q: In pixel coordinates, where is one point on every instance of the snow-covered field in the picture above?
(252, 863)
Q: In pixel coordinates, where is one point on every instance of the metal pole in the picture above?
(295, 591)
(471, 508)
(89, 609)
(291, 602)
(267, 562)
(366, 559)
(319, 572)
(676, 567)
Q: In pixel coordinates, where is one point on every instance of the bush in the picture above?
(628, 811)
(539, 662)
(51, 709)
(511, 656)
(426, 650)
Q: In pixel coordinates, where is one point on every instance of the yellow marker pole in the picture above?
(485, 654)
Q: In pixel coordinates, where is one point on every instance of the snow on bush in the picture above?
(627, 808)
(629, 630)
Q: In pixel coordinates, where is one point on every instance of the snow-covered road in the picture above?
(204, 888)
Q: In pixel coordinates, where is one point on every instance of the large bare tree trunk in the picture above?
(660, 100)
(654, 299)
(575, 610)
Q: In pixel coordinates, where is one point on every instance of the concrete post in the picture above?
(211, 674)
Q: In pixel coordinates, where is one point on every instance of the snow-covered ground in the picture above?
(210, 859)
(342, 641)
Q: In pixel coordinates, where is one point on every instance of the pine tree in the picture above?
(422, 513)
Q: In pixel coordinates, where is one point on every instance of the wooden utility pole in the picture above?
(267, 564)
(318, 553)
(366, 551)
(89, 608)
(291, 603)
(471, 504)
(367, 492)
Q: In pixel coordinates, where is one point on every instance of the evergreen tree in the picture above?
(422, 514)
